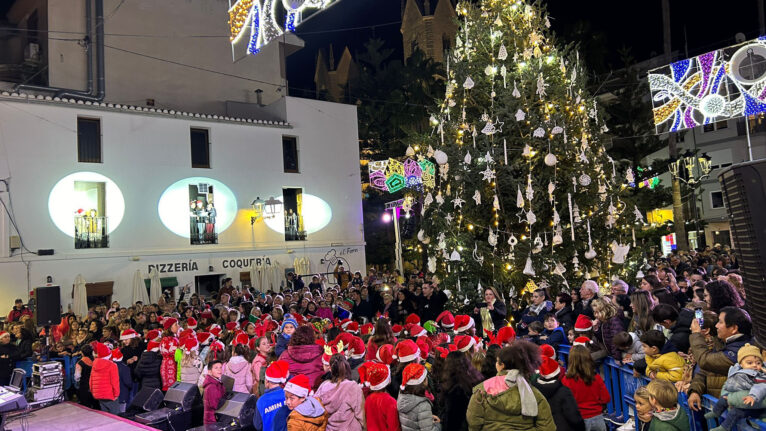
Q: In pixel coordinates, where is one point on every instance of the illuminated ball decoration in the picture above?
(712, 105)
(173, 207)
(316, 215)
(64, 203)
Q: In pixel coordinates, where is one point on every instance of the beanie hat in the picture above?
(153, 335)
(191, 323)
(406, 351)
(464, 343)
(385, 354)
(168, 322)
(463, 322)
(103, 351)
(549, 369)
(583, 324)
(397, 329)
(289, 321)
(204, 338)
(581, 341)
(190, 344)
(417, 330)
(356, 348)
(277, 372)
(378, 376)
(412, 319)
(749, 350)
(299, 386)
(413, 375)
(368, 329)
(116, 355)
(547, 351)
(126, 334)
(446, 319)
(152, 346)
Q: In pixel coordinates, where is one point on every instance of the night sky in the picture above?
(602, 27)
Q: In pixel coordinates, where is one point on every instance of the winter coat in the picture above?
(214, 391)
(169, 368)
(129, 352)
(454, 408)
(239, 369)
(680, 422)
(148, 370)
(305, 359)
(668, 365)
(415, 413)
(716, 361)
(25, 343)
(344, 403)
(564, 408)
(636, 350)
(105, 380)
(740, 379)
(83, 369)
(499, 314)
(526, 317)
(606, 332)
(680, 332)
(591, 398)
(258, 369)
(381, 413)
(266, 408)
(495, 406)
(191, 370)
(565, 317)
(8, 358)
(555, 338)
(126, 382)
(308, 416)
(282, 342)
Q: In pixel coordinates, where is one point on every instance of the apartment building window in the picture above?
(716, 200)
(88, 140)
(200, 148)
(718, 125)
(293, 208)
(290, 154)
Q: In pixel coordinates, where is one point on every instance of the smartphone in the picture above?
(698, 316)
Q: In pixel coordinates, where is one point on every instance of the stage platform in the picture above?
(68, 416)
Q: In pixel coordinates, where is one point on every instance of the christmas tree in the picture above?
(525, 189)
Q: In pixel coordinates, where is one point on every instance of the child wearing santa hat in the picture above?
(148, 368)
(105, 380)
(273, 399)
(564, 408)
(191, 364)
(380, 407)
(238, 367)
(126, 379)
(415, 411)
(306, 412)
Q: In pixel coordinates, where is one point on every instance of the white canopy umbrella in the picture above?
(254, 276)
(155, 287)
(139, 289)
(80, 297)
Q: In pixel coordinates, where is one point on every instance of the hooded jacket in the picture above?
(344, 403)
(214, 391)
(679, 422)
(148, 370)
(126, 382)
(105, 380)
(260, 363)
(304, 359)
(190, 371)
(668, 364)
(680, 332)
(266, 409)
(308, 416)
(415, 413)
(239, 369)
(564, 409)
(495, 406)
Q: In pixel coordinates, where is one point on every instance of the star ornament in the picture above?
(457, 202)
(488, 174)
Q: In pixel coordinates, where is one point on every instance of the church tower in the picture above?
(430, 25)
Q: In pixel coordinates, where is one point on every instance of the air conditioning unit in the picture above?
(32, 52)
(744, 193)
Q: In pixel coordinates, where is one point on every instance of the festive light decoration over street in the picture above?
(260, 17)
(392, 175)
(718, 85)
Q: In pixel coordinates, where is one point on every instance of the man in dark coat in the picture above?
(563, 307)
(8, 357)
(430, 303)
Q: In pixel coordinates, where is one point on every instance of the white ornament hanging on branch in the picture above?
(492, 238)
(443, 169)
(630, 176)
(526, 151)
(422, 237)
(467, 158)
(619, 251)
(512, 241)
(556, 130)
(528, 269)
(468, 84)
(590, 254)
(502, 53)
(457, 202)
(541, 86)
(520, 115)
(538, 244)
(410, 151)
(432, 264)
(504, 74)
(516, 93)
(477, 197)
(550, 159)
(439, 198)
(539, 133)
(584, 180)
(557, 236)
(571, 217)
(531, 217)
(476, 256)
(440, 156)
(639, 215)
(519, 199)
(496, 203)
(551, 189)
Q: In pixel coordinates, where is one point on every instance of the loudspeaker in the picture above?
(48, 309)
(237, 407)
(744, 192)
(147, 399)
(182, 395)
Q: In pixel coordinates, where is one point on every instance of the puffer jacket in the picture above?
(148, 370)
(260, 363)
(305, 359)
(606, 332)
(344, 403)
(495, 406)
(308, 416)
(415, 413)
(191, 370)
(105, 380)
(239, 369)
(668, 365)
(211, 399)
(564, 408)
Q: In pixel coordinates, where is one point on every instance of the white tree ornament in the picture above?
(492, 238)
(503, 53)
(440, 156)
(467, 158)
(516, 93)
(539, 133)
(488, 174)
(550, 159)
(468, 84)
(422, 237)
(458, 202)
(541, 86)
(496, 203)
(620, 251)
(439, 198)
(528, 269)
(431, 264)
(477, 197)
(519, 199)
(520, 115)
(639, 215)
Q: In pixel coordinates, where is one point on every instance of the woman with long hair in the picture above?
(508, 401)
(641, 303)
(610, 324)
(496, 309)
(650, 282)
(588, 388)
(720, 294)
(341, 397)
(458, 377)
(383, 335)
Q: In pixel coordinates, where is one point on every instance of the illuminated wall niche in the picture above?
(316, 215)
(177, 215)
(85, 194)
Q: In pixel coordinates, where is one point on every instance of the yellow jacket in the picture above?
(668, 366)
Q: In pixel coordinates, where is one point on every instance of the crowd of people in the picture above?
(382, 352)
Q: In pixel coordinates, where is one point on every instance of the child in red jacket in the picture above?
(587, 386)
(379, 407)
(105, 380)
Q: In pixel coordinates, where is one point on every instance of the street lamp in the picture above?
(264, 209)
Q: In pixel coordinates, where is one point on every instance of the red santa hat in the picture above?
(190, 344)
(378, 376)
(412, 319)
(152, 346)
(153, 335)
(186, 333)
(168, 322)
(506, 334)
(216, 347)
(463, 323)
(385, 354)
(583, 324)
(207, 314)
(204, 338)
(352, 327)
(232, 326)
(417, 331)
(406, 351)
(549, 369)
(277, 372)
(241, 338)
(464, 343)
(446, 319)
(368, 329)
(126, 334)
(191, 323)
(442, 352)
(116, 355)
(362, 370)
(329, 351)
(4, 333)
(103, 351)
(413, 375)
(424, 346)
(581, 341)
(215, 330)
(356, 348)
(343, 337)
(547, 351)
(397, 329)
(299, 386)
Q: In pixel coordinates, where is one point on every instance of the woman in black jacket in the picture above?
(457, 381)
(497, 311)
(403, 304)
(148, 368)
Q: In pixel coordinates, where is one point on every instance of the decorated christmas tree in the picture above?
(525, 190)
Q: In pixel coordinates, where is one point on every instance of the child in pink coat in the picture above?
(238, 368)
(263, 348)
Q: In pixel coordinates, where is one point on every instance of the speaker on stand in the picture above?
(48, 311)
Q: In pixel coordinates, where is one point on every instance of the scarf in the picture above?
(538, 308)
(666, 414)
(528, 401)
